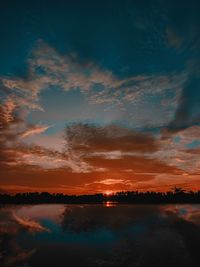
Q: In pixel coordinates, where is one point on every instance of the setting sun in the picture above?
(108, 193)
(99, 133)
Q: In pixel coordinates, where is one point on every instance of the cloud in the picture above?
(8, 115)
(6, 111)
(109, 149)
(48, 68)
(11, 226)
(111, 138)
(189, 135)
(175, 150)
(30, 225)
(36, 129)
(187, 112)
(116, 149)
(111, 181)
(13, 129)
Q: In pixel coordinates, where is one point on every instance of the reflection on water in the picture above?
(100, 235)
(109, 204)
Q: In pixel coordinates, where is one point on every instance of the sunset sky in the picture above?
(99, 96)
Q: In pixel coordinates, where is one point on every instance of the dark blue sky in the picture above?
(124, 36)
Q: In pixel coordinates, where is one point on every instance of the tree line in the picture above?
(177, 195)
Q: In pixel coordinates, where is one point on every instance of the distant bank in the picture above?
(177, 195)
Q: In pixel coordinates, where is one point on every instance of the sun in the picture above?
(108, 193)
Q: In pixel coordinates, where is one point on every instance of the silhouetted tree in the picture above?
(177, 195)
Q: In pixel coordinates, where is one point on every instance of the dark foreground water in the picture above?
(100, 235)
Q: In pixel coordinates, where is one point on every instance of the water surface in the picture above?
(100, 235)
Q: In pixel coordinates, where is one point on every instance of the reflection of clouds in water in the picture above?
(18, 258)
(118, 235)
(150, 235)
(11, 225)
(42, 211)
(189, 213)
(90, 217)
(29, 225)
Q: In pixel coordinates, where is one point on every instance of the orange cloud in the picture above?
(36, 129)
(93, 158)
(87, 138)
(30, 225)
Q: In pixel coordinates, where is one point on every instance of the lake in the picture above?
(100, 235)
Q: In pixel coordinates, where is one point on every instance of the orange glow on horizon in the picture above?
(108, 193)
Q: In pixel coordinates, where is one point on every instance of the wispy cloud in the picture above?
(36, 129)
(116, 149)
(30, 225)
(108, 149)
(90, 138)
(48, 68)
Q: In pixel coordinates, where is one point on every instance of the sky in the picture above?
(99, 96)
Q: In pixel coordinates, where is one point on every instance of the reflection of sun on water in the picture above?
(109, 204)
